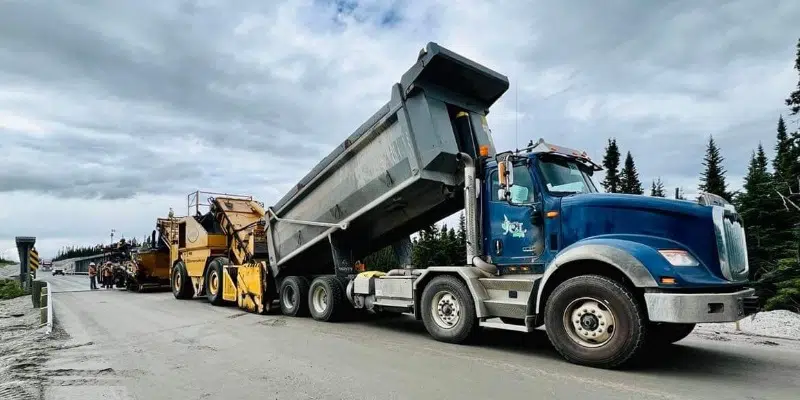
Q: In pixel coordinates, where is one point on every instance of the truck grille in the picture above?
(731, 244)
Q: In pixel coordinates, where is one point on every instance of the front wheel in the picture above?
(448, 310)
(181, 284)
(595, 321)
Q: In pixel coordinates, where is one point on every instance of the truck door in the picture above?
(512, 237)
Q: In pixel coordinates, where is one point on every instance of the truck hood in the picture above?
(689, 225)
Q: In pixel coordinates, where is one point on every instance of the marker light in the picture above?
(484, 151)
(679, 258)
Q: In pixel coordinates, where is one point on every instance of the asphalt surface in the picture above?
(152, 346)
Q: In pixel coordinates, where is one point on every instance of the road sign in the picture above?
(33, 259)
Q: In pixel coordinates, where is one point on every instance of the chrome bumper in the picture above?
(700, 307)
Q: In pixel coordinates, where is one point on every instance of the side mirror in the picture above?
(505, 176)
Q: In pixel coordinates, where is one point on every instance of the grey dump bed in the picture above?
(395, 174)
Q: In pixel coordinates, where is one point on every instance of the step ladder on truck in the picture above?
(608, 275)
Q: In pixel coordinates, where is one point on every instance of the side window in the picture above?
(495, 186)
(522, 178)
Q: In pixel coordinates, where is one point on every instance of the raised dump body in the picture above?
(395, 175)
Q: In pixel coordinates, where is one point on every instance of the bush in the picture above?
(10, 289)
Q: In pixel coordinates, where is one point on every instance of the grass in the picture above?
(10, 289)
(5, 262)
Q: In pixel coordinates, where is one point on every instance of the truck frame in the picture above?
(608, 275)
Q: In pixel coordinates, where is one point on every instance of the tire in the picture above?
(326, 300)
(180, 282)
(293, 296)
(582, 306)
(454, 319)
(662, 334)
(214, 280)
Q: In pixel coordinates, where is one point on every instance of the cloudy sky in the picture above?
(112, 111)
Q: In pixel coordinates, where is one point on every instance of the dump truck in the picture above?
(607, 275)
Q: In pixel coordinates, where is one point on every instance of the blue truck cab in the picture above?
(648, 264)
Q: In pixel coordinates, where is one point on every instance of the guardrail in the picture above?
(45, 305)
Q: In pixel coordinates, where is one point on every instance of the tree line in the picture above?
(68, 252)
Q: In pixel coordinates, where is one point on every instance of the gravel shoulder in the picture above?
(24, 346)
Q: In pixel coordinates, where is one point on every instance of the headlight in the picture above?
(679, 258)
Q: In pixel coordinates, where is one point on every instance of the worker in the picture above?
(107, 274)
(92, 276)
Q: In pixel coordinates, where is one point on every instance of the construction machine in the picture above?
(151, 266)
(218, 251)
(606, 274)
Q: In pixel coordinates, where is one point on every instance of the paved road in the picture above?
(151, 346)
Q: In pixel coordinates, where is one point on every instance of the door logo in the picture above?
(513, 227)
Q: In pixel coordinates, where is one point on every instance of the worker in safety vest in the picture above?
(92, 276)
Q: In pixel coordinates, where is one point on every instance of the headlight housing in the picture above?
(679, 258)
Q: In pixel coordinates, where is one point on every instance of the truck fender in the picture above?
(607, 253)
(468, 274)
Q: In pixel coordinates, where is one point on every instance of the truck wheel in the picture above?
(294, 296)
(661, 334)
(214, 280)
(181, 285)
(594, 321)
(448, 310)
(326, 299)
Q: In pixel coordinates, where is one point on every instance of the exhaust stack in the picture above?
(470, 216)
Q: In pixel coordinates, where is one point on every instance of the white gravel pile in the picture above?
(22, 349)
(779, 323)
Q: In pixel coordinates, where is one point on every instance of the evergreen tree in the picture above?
(657, 188)
(611, 183)
(713, 177)
(793, 101)
(629, 177)
(782, 164)
(755, 204)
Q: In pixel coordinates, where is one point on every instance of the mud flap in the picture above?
(251, 289)
(228, 285)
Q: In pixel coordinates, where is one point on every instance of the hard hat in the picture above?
(92, 264)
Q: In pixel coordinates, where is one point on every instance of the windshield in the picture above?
(562, 175)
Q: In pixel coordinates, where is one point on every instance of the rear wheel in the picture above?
(214, 279)
(181, 284)
(448, 310)
(294, 296)
(326, 299)
(595, 321)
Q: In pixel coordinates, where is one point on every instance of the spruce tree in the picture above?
(782, 164)
(793, 101)
(611, 183)
(657, 188)
(712, 179)
(755, 204)
(629, 177)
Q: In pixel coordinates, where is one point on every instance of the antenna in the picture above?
(516, 112)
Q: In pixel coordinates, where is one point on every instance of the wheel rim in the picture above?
(289, 297)
(177, 280)
(319, 299)
(446, 309)
(213, 282)
(589, 322)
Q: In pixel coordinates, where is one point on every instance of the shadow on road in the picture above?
(678, 360)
